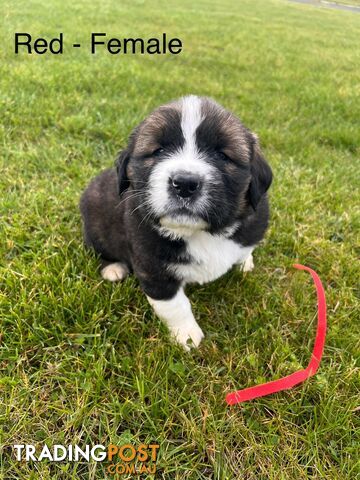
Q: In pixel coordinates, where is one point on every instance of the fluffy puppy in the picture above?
(186, 202)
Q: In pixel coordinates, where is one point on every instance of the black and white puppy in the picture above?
(186, 202)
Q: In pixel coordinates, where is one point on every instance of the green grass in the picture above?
(84, 361)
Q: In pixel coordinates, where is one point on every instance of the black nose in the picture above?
(185, 184)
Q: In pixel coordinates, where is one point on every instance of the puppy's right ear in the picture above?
(261, 174)
(121, 166)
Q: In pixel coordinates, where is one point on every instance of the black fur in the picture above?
(261, 176)
(121, 166)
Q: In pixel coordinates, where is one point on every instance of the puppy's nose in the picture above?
(185, 184)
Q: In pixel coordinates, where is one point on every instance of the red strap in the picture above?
(297, 377)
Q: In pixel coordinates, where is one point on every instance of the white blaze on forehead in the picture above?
(190, 120)
(188, 158)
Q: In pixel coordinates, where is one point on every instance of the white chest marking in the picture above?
(212, 256)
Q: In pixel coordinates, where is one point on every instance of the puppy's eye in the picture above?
(223, 156)
(157, 152)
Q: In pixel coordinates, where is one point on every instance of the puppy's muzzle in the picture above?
(185, 185)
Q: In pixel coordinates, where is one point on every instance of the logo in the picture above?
(122, 459)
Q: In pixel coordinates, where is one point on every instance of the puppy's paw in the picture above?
(247, 265)
(114, 272)
(188, 335)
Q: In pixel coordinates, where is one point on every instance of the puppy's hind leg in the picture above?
(247, 264)
(114, 272)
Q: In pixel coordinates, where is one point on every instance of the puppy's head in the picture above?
(193, 166)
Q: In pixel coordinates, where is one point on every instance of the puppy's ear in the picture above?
(121, 165)
(261, 174)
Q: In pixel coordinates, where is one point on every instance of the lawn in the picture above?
(84, 361)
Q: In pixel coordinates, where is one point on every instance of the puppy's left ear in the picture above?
(121, 165)
(261, 174)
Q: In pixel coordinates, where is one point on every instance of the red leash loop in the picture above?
(301, 375)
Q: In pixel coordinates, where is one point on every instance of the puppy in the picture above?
(186, 202)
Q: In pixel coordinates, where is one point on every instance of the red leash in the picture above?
(297, 377)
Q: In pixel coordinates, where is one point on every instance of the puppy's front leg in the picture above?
(177, 315)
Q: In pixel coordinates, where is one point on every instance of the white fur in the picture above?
(231, 229)
(186, 159)
(190, 120)
(212, 256)
(114, 272)
(177, 315)
(180, 226)
(248, 265)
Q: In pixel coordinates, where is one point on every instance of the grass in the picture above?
(84, 361)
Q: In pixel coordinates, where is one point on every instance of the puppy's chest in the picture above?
(211, 256)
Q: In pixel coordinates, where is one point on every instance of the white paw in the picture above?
(187, 335)
(248, 265)
(114, 272)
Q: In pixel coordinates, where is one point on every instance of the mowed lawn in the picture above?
(84, 361)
